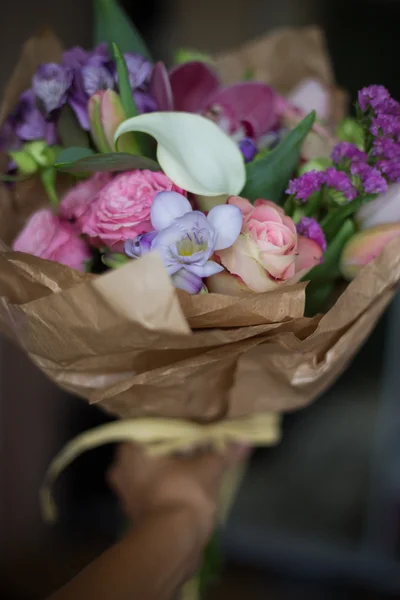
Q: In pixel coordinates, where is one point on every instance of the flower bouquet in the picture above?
(180, 246)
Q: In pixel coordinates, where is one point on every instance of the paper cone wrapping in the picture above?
(130, 343)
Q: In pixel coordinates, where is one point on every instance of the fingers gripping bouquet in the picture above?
(171, 242)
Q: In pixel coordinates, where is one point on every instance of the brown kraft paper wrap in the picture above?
(130, 343)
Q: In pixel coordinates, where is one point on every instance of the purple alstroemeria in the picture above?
(187, 239)
(140, 245)
(247, 109)
(51, 83)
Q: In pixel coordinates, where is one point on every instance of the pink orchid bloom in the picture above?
(245, 109)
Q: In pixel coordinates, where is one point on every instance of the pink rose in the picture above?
(266, 253)
(46, 236)
(75, 203)
(122, 208)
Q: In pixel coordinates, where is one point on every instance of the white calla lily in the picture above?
(192, 151)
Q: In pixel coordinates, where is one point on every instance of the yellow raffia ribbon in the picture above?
(161, 436)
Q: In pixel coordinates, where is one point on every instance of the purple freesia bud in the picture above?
(140, 245)
(187, 239)
(187, 281)
(51, 83)
(248, 149)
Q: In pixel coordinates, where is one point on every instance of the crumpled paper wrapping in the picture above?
(130, 343)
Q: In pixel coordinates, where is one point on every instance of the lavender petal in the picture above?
(189, 282)
(51, 83)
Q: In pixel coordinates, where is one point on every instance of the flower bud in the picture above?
(384, 210)
(105, 115)
(365, 246)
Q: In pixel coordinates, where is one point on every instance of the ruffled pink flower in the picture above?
(121, 210)
(76, 202)
(266, 254)
(46, 236)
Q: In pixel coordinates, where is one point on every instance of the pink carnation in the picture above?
(122, 208)
(46, 236)
(75, 203)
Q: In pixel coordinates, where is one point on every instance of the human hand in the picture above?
(147, 485)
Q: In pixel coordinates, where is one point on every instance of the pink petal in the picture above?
(309, 254)
(160, 87)
(192, 83)
(310, 95)
(245, 206)
(253, 104)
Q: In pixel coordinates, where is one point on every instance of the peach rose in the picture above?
(46, 236)
(266, 254)
(121, 210)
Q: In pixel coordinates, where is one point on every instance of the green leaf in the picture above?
(115, 161)
(125, 90)
(329, 269)
(334, 220)
(69, 130)
(317, 296)
(184, 55)
(112, 24)
(70, 155)
(268, 176)
(48, 178)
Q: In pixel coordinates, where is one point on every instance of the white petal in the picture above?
(166, 207)
(227, 221)
(193, 151)
(210, 268)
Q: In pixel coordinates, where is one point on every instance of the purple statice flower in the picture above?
(386, 147)
(345, 150)
(96, 76)
(140, 245)
(371, 178)
(387, 125)
(51, 83)
(379, 99)
(186, 239)
(311, 229)
(391, 168)
(248, 148)
(306, 185)
(339, 181)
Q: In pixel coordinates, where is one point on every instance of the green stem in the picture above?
(48, 178)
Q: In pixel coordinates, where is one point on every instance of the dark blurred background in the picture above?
(319, 516)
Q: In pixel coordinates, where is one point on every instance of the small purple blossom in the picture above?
(345, 150)
(376, 97)
(387, 125)
(306, 185)
(391, 168)
(248, 148)
(386, 148)
(371, 178)
(310, 228)
(140, 245)
(339, 181)
(187, 281)
(50, 84)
